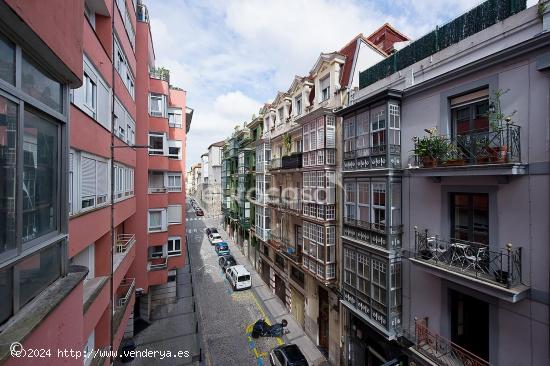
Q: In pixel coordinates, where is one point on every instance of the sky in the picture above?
(232, 56)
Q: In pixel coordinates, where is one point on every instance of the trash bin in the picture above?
(126, 354)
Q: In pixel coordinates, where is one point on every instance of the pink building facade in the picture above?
(92, 147)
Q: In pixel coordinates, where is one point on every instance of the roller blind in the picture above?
(88, 177)
(174, 214)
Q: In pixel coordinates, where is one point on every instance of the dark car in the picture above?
(199, 212)
(222, 249)
(210, 230)
(227, 261)
(287, 355)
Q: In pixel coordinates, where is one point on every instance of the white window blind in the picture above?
(174, 182)
(88, 182)
(174, 214)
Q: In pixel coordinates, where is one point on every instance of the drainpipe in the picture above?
(111, 284)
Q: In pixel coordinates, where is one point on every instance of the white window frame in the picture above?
(77, 181)
(174, 144)
(173, 121)
(298, 105)
(179, 209)
(164, 149)
(173, 176)
(325, 91)
(161, 102)
(163, 220)
(171, 243)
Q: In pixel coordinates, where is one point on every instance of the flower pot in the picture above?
(428, 162)
(501, 276)
(426, 254)
(498, 154)
(454, 162)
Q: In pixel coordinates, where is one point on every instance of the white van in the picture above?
(238, 277)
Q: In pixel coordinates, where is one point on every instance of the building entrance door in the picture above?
(265, 271)
(280, 288)
(297, 308)
(322, 321)
(470, 324)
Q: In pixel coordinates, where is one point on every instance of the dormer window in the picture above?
(298, 105)
(281, 112)
(324, 85)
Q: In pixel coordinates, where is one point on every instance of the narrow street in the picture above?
(224, 314)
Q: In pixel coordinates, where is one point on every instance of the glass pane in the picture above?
(7, 61)
(8, 136)
(37, 272)
(40, 169)
(6, 289)
(40, 86)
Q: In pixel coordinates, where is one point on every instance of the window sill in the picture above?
(174, 254)
(31, 316)
(149, 231)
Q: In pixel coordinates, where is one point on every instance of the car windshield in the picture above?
(294, 355)
(244, 278)
(215, 235)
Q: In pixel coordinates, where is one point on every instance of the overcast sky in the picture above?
(232, 56)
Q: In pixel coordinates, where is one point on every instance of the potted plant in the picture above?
(454, 156)
(498, 121)
(431, 149)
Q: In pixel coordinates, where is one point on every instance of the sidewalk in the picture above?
(275, 308)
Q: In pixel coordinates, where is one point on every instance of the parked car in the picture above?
(227, 261)
(210, 230)
(238, 277)
(215, 238)
(222, 248)
(287, 355)
(199, 212)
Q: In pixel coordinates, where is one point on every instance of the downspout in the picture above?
(111, 284)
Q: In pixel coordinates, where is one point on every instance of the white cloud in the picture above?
(229, 55)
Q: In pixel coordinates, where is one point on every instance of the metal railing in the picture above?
(160, 74)
(499, 146)
(293, 161)
(478, 260)
(124, 292)
(124, 241)
(157, 189)
(157, 263)
(441, 350)
(374, 226)
(275, 163)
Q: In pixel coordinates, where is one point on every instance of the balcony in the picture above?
(278, 241)
(157, 264)
(374, 157)
(293, 161)
(479, 152)
(275, 164)
(263, 234)
(142, 13)
(157, 190)
(292, 253)
(476, 265)
(160, 74)
(123, 245)
(286, 204)
(124, 295)
(441, 350)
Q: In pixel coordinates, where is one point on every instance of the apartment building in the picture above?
(85, 93)
(195, 175)
(294, 232)
(446, 190)
(210, 195)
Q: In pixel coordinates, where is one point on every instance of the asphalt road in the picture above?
(224, 314)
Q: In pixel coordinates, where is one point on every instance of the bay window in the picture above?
(349, 134)
(362, 133)
(378, 126)
(349, 201)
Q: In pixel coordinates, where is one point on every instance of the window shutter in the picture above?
(103, 104)
(88, 177)
(174, 214)
(163, 220)
(331, 137)
(102, 178)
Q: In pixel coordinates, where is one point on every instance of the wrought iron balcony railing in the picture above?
(441, 350)
(374, 226)
(293, 161)
(499, 146)
(477, 260)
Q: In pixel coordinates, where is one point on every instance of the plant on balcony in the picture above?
(498, 120)
(431, 149)
(287, 143)
(454, 156)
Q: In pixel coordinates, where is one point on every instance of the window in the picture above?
(470, 217)
(125, 126)
(174, 182)
(94, 96)
(157, 105)
(175, 119)
(123, 68)
(157, 143)
(378, 126)
(324, 85)
(157, 220)
(90, 15)
(124, 181)
(379, 274)
(394, 119)
(281, 113)
(94, 181)
(174, 214)
(469, 113)
(379, 204)
(174, 149)
(349, 201)
(40, 86)
(125, 15)
(40, 171)
(86, 258)
(8, 138)
(174, 246)
(7, 60)
(298, 105)
(363, 206)
(156, 182)
(362, 134)
(156, 251)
